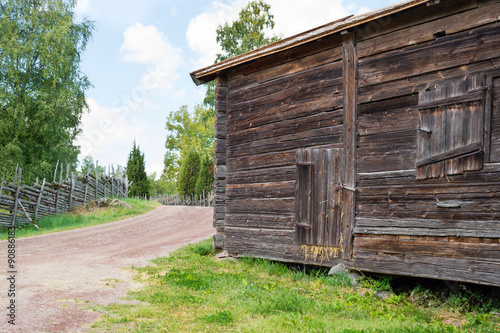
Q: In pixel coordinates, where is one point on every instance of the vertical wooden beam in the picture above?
(71, 191)
(39, 200)
(221, 92)
(67, 171)
(488, 108)
(350, 80)
(55, 172)
(19, 174)
(87, 180)
(96, 180)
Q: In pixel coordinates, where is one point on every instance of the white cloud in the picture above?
(201, 33)
(155, 167)
(149, 46)
(82, 7)
(108, 132)
(291, 17)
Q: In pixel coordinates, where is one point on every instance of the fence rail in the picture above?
(204, 200)
(24, 204)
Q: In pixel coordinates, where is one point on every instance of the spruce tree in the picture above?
(188, 175)
(136, 172)
(205, 182)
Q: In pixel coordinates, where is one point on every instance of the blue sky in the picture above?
(141, 55)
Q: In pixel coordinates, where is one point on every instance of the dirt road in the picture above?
(60, 275)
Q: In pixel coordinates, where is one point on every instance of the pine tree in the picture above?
(136, 172)
(188, 175)
(205, 182)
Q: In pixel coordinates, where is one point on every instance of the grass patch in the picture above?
(81, 219)
(191, 291)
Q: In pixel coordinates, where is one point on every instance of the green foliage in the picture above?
(256, 295)
(248, 32)
(383, 284)
(188, 176)
(136, 172)
(203, 248)
(88, 166)
(185, 132)
(220, 317)
(205, 181)
(42, 90)
(160, 186)
(245, 34)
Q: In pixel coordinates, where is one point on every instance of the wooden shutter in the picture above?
(317, 205)
(451, 128)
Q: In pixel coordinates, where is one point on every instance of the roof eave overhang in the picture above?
(209, 73)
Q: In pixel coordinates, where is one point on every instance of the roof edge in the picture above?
(208, 73)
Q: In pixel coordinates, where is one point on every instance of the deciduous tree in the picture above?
(187, 131)
(42, 89)
(245, 34)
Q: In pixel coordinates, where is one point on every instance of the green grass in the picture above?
(82, 219)
(191, 291)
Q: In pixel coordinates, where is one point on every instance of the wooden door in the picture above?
(318, 196)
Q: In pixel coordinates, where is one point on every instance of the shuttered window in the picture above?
(317, 205)
(451, 128)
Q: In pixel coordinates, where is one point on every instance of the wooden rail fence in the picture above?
(24, 204)
(204, 200)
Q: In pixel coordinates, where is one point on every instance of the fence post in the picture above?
(57, 200)
(96, 180)
(71, 191)
(126, 185)
(60, 175)
(16, 200)
(55, 172)
(105, 183)
(39, 200)
(87, 179)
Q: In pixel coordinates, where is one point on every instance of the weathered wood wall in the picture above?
(359, 91)
(274, 109)
(400, 227)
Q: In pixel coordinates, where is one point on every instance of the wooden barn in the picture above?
(373, 141)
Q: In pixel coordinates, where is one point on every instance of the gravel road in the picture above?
(60, 275)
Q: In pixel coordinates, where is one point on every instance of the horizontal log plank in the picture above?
(419, 32)
(262, 190)
(428, 248)
(425, 227)
(454, 269)
(277, 247)
(323, 136)
(267, 175)
(261, 161)
(446, 52)
(265, 206)
(287, 126)
(296, 86)
(263, 221)
(267, 114)
(262, 75)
